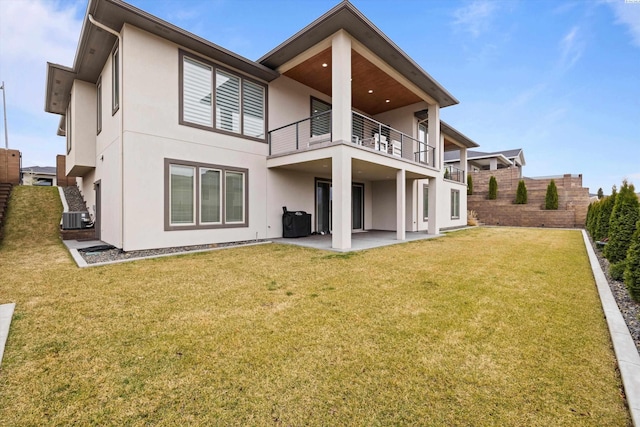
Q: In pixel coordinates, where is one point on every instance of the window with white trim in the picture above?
(455, 204)
(425, 202)
(204, 196)
(217, 99)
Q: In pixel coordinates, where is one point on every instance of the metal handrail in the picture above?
(453, 173)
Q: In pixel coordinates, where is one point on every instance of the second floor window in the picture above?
(217, 99)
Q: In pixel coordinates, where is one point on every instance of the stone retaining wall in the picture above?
(573, 200)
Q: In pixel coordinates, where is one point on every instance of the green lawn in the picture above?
(489, 326)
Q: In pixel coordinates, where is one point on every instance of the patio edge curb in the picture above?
(6, 314)
(623, 345)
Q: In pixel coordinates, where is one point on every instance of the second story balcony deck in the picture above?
(315, 132)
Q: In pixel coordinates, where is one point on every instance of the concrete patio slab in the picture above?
(359, 241)
(6, 313)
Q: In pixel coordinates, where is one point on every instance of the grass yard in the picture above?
(489, 326)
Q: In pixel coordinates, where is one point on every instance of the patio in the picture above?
(359, 241)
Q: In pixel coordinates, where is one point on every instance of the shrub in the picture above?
(604, 215)
(469, 185)
(617, 270)
(622, 225)
(493, 188)
(600, 193)
(521, 193)
(472, 218)
(632, 270)
(551, 199)
(447, 174)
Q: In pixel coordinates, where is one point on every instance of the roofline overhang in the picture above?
(458, 136)
(347, 17)
(115, 14)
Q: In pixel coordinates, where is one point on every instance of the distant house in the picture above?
(478, 160)
(39, 175)
(177, 141)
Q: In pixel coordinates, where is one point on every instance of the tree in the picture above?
(600, 193)
(493, 188)
(469, 185)
(551, 199)
(632, 268)
(622, 225)
(521, 193)
(604, 215)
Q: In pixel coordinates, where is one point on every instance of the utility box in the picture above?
(75, 220)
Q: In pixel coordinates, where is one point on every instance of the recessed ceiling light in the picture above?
(370, 90)
(325, 65)
(387, 100)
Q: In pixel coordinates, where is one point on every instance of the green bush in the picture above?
(469, 185)
(447, 174)
(600, 193)
(551, 198)
(632, 270)
(493, 188)
(622, 225)
(604, 215)
(521, 193)
(617, 270)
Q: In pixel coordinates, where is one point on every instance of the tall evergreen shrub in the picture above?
(604, 215)
(521, 193)
(551, 198)
(600, 193)
(493, 188)
(469, 185)
(622, 225)
(632, 268)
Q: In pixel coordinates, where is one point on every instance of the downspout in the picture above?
(121, 108)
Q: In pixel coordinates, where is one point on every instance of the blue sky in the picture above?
(557, 78)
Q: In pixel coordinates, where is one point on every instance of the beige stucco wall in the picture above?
(83, 126)
(290, 101)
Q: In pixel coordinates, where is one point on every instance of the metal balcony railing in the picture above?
(453, 173)
(366, 132)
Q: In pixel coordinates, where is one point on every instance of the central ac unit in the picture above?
(75, 220)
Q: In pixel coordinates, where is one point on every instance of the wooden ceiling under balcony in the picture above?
(387, 93)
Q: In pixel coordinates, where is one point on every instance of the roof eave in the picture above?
(449, 130)
(348, 17)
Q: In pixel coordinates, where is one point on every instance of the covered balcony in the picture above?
(316, 132)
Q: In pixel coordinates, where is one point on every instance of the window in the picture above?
(68, 130)
(182, 194)
(455, 204)
(320, 125)
(425, 202)
(218, 194)
(115, 74)
(99, 105)
(209, 91)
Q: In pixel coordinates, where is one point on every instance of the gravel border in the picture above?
(101, 255)
(629, 309)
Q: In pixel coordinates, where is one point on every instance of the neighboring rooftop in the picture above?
(42, 170)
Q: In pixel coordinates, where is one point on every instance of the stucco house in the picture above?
(478, 160)
(177, 141)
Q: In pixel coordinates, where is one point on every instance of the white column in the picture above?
(463, 164)
(433, 226)
(341, 87)
(433, 131)
(493, 164)
(341, 205)
(401, 206)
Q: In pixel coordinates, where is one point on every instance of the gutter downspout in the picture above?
(121, 130)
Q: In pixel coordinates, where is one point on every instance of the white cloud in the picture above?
(572, 47)
(475, 18)
(33, 32)
(628, 14)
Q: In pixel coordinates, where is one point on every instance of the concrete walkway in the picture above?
(623, 345)
(6, 313)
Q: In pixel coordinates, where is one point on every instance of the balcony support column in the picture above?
(433, 225)
(463, 164)
(401, 205)
(341, 205)
(433, 132)
(341, 87)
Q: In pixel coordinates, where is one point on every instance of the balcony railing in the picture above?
(366, 132)
(453, 173)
